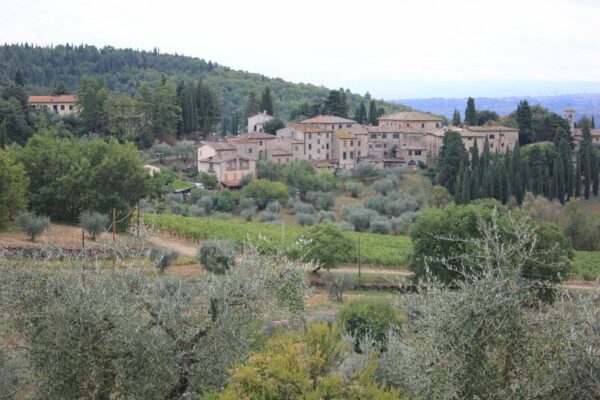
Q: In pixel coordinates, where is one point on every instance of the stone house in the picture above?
(252, 144)
(256, 123)
(211, 149)
(344, 151)
(229, 169)
(62, 105)
(411, 119)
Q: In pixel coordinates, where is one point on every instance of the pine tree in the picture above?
(266, 102)
(456, 118)
(471, 113)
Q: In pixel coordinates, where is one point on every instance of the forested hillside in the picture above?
(124, 71)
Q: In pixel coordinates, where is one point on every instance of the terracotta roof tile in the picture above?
(327, 119)
(65, 98)
(410, 116)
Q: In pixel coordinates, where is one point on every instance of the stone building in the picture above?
(62, 105)
(256, 123)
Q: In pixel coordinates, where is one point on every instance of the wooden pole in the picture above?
(138, 217)
(82, 238)
(359, 275)
(114, 224)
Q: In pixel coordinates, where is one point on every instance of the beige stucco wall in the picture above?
(62, 109)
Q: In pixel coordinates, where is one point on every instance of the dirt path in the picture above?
(380, 271)
(181, 247)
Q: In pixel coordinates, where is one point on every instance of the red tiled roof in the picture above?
(327, 119)
(64, 98)
(308, 128)
(410, 116)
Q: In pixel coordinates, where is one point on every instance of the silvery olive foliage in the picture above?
(89, 331)
(490, 337)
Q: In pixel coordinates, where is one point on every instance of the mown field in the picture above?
(377, 250)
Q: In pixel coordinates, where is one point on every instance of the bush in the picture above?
(380, 225)
(246, 179)
(366, 319)
(247, 204)
(93, 222)
(359, 217)
(344, 175)
(32, 224)
(268, 169)
(162, 259)
(171, 198)
(267, 216)
(328, 245)
(206, 203)
(224, 201)
(217, 255)
(354, 188)
(264, 191)
(248, 214)
(383, 186)
(326, 216)
(365, 171)
(177, 208)
(346, 226)
(399, 224)
(273, 207)
(222, 215)
(301, 207)
(195, 211)
(209, 181)
(321, 200)
(305, 219)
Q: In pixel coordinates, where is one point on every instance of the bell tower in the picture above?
(570, 117)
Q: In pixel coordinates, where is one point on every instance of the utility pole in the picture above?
(359, 275)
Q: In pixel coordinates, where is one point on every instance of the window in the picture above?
(378, 146)
(231, 165)
(278, 160)
(352, 155)
(244, 164)
(359, 144)
(470, 139)
(71, 107)
(408, 125)
(55, 107)
(344, 155)
(349, 126)
(318, 151)
(340, 126)
(327, 146)
(62, 107)
(491, 145)
(417, 152)
(384, 136)
(437, 124)
(352, 143)
(373, 136)
(396, 136)
(260, 143)
(250, 150)
(492, 136)
(319, 141)
(385, 145)
(310, 146)
(358, 153)
(287, 159)
(422, 125)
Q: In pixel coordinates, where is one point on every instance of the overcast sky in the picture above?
(395, 49)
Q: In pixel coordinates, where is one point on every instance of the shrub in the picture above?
(305, 208)
(217, 255)
(268, 169)
(354, 188)
(246, 179)
(344, 175)
(321, 200)
(247, 214)
(206, 203)
(195, 211)
(384, 186)
(177, 208)
(399, 224)
(380, 225)
(365, 171)
(264, 191)
(346, 226)
(328, 246)
(93, 222)
(162, 259)
(273, 207)
(209, 181)
(224, 201)
(222, 215)
(266, 216)
(326, 216)
(305, 219)
(171, 198)
(366, 319)
(247, 204)
(32, 224)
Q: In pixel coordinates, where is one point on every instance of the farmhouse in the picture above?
(228, 169)
(62, 105)
(256, 123)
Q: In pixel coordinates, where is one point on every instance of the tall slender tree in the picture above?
(372, 113)
(456, 118)
(266, 101)
(578, 176)
(525, 123)
(471, 113)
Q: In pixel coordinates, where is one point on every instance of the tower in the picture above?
(570, 117)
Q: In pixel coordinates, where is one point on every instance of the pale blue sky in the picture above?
(395, 49)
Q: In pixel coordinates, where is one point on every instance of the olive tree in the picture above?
(93, 223)
(217, 255)
(33, 224)
(115, 333)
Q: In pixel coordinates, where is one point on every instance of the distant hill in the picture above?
(584, 104)
(124, 69)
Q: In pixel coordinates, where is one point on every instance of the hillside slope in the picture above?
(124, 69)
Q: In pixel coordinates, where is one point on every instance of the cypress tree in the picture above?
(266, 103)
(3, 134)
(466, 182)
(470, 113)
(485, 156)
(570, 189)
(595, 171)
(525, 122)
(577, 173)
(252, 106)
(456, 118)
(362, 113)
(499, 183)
(517, 179)
(593, 123)
(474, 156)
(19, 78)
(235, 124)
(587, 171)
(372, 113)
(559, 179)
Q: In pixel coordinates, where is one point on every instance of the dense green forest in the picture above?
(124, 71)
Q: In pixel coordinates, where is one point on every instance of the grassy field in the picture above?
(586, 265)
(377, 250)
